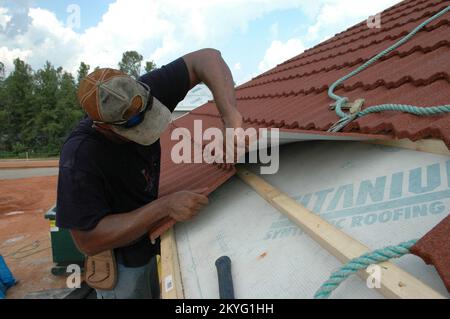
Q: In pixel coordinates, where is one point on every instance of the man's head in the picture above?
(115, 100)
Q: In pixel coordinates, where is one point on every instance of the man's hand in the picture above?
(232, 149)
(209, 67)
(118, 230)
(185, 205)
(233, 119)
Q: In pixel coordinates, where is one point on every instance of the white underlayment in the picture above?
(240, 224)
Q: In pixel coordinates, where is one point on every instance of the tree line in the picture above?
(39, 108)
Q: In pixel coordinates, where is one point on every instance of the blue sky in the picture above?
(92, 10)
(253, 35)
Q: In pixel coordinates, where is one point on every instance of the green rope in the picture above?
(362, 262)
(341, 101)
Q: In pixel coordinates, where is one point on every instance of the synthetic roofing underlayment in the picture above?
(293, 96)
(354, 186)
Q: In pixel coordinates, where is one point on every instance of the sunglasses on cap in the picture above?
(137, 119)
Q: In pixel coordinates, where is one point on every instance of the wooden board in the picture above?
(395, 282)
(172, 287)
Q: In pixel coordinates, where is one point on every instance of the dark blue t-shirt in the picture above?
(98, 177)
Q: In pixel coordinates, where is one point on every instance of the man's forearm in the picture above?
(119, 229)
(208, 66)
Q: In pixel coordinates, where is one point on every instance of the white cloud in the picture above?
(4, 18)
(279, 52)
(7, 56)
(162, 30)
(46, 38)
(337, 15)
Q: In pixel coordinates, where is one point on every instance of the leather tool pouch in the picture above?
(101, 270)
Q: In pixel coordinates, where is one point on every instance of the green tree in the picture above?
(58, 110)
(67, 107)
(44, 127)
(149, 66)
(3, 112)
(19, 106)
(37, 109)
(2, 71)
(83, 71)
(131, 63)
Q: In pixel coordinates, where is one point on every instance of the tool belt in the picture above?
(101, 270)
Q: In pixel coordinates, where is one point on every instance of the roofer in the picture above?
(110, 166)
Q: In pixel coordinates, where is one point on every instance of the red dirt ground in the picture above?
(14, 164)
(24, 233)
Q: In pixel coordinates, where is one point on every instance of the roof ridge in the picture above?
(386, 12)
(348, 88)
(338, 38)
(398, 53)
(427, 29)
(341, 35)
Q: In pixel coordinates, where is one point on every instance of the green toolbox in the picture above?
(64, 250)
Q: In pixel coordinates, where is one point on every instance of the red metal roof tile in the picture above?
(293, 95)
(434, 248)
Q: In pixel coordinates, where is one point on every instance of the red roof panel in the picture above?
(434, 248)
(293, 96)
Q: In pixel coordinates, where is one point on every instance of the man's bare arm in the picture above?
(119, 230)
(208, 66)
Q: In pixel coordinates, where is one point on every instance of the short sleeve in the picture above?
(81, 200)
(170, 83)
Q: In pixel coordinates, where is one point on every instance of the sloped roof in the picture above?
(293, 95)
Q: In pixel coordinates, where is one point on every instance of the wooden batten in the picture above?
(171, 281)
